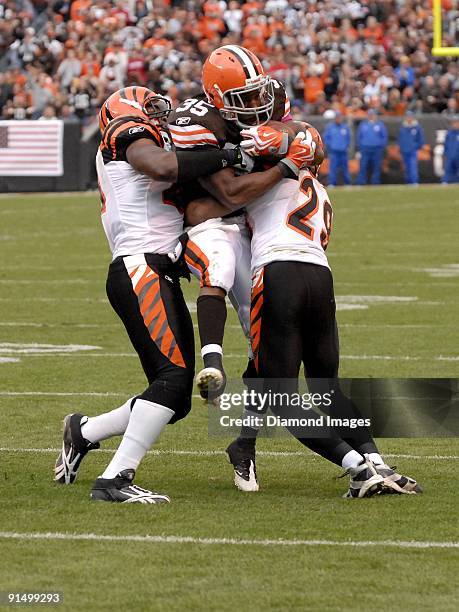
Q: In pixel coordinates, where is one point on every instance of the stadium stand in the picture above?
(61, 59)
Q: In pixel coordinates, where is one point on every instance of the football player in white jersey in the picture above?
(136, 164)
(293, 315)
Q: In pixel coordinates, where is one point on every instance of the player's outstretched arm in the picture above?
(181, 166)
(236, 191)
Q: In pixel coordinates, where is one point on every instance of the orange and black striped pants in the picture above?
(144, 290)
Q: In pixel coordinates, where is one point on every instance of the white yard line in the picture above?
(174, 539)
(59, 394)
(67, 281)
(215, 453)
(243, 356)
(227, 326)
(96, 325)
(237, 356)
(67, 394)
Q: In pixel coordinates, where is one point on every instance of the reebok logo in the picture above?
(136, 129)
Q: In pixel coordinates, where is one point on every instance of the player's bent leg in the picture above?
(211, 312)
(147, 421)
(145, 292)
(210, 255)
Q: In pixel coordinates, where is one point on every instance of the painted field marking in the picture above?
(221, 453)
(444, 271)
(241, 356)
(227, 326)
(36, 348)
(174, 539)
(68, 326)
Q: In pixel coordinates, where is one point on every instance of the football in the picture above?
(293, 127)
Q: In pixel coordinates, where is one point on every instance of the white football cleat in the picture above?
(211, 382)
(365, 481)
(242, 458)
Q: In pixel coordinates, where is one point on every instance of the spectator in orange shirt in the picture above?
(79, 9)
(313, 85)
(157, 40)
(90, 65)
(255, 43)
(373, 30)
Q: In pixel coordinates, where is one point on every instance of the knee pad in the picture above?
(174, 392)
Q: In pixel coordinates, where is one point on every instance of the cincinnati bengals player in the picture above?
(293, 320)
(136, 164)
(237, 94)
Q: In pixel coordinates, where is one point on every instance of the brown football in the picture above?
(293, 127)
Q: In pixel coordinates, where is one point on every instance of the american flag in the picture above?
(31, 148)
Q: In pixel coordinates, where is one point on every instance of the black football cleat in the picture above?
(74, 450)
(242, 458)
(120, 490)
(395, 483)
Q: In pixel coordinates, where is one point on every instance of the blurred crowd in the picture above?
(63, 58)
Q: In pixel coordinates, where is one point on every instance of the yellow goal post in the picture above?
(438, 50)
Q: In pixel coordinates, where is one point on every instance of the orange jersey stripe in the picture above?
(177, 357)
(166, 342)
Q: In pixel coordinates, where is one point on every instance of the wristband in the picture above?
(288, 169)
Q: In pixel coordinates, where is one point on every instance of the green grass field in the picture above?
(395, 261)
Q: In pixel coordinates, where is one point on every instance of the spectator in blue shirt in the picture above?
(451, 153)
(337, 138)
(371, 142)
(410, 140)
(405, 73)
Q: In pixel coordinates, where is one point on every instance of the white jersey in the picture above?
(136, 214)
(291, 222)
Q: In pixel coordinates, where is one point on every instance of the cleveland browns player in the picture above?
(136, 164)
(237, 94)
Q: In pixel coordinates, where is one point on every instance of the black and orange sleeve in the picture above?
(119, 134)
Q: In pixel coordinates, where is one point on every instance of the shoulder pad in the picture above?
(121, 132)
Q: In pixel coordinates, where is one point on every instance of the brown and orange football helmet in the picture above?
(235, 82)
(135, 101)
